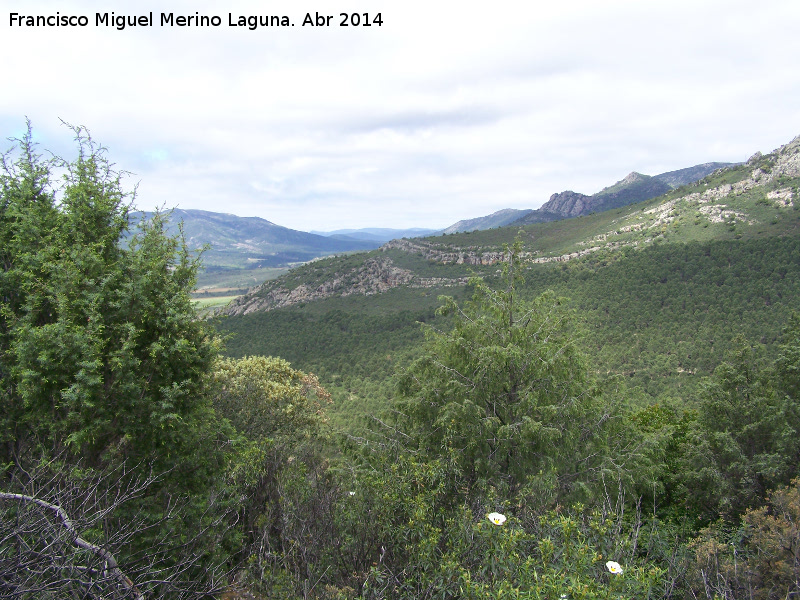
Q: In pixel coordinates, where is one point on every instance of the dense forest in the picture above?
(663, 317)
(626, 425)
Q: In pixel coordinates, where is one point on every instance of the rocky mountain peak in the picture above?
(755, 158)
(632, 177)
(567, 203)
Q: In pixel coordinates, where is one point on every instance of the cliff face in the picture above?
(568, 204)
(378, 274)
(374, 276)
(445, 255)
(635, 187)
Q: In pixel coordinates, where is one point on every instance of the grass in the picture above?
(221, 280)
(205, 307)
(213, 301)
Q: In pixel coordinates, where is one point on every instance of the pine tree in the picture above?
(104, 373)
(506, 391)
(101, 350)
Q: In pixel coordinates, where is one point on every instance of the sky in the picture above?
(448, 110)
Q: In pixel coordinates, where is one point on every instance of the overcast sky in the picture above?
(448, 110)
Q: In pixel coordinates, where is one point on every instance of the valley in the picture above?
(620, 385)
(662, 287)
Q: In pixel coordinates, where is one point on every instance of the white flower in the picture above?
(496, 518)
(352, 493)
(614, 567)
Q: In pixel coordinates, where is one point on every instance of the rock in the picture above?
(755, 158)
(568, 203)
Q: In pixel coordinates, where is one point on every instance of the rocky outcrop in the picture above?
(634, 187)
(711, 203)
(784, 162)
(568, 204)
(445, 254)
(374, 276)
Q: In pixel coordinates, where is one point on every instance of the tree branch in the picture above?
(110, 562)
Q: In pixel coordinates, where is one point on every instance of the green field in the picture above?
(217, 279)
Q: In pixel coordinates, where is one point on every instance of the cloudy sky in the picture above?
(448, 110)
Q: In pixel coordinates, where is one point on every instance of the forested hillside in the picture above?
(662, 287)
(663, 317)
(754, 200)
(596, 408)
(681, 307)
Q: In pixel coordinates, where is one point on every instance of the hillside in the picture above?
(662, 286)
(752, 200)
(501, 218)
(675, 179)
(243, 251)
(634, 188)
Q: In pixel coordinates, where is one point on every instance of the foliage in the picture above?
(264, 397)
(760, 559)
(285, 489)
(353, 346)
(747, 437)
(664, 314)
(506, 391)
(787, 365)
(392, 523)
(101, 350)
(663, 317)
(558, 556)
(425, 543)
(102, 361)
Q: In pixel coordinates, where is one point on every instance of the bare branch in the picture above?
(110, 562)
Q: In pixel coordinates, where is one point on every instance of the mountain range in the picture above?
(376, 234)
(745, 199)
(242, 251)
(663, 286)
(234, 240)
(635, 187)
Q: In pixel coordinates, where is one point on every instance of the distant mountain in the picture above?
(676, 179)
(375, 234)
(501, 218)
(564, 205)
(635, 187)
(252, 242)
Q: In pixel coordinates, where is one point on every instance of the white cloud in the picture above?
(449, 110)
